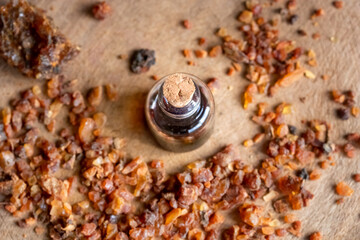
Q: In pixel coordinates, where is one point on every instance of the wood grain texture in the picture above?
(156, 25)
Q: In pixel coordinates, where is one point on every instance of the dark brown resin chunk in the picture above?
(142, 60)
(30, 42)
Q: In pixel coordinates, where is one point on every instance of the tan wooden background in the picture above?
(155, 24)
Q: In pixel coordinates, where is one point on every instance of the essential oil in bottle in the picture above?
(180, 112)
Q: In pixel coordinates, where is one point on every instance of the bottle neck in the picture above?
(179, 112)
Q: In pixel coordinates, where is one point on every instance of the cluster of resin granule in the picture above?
(131, 199)
(257, 52)
(30, 42)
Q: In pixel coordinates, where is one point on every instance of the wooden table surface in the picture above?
(156, 25)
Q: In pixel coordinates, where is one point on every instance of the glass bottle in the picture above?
(180, 127)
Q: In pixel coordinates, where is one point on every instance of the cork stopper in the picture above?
(178, 90)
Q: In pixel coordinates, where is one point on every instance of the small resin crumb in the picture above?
(289, 218)
(340, 201)
(248, 143)
(186, 23)
(281, 232)
(318, 13)
(39, 230)
(230, 71)
(302, 32)
(213, 84)
(295, 228)
(355, 111)
(101, 10)
(343, 113)
(338, 4)
(343, 189)
(356, 177)
(293, 19)
(111, 92)
(316, 36)
(315, 174)
(201, 41)
(349, 150)
(187, 53)
(191, 63)
(316, 236)
(325, 77)
(200, 53)
(123, 56)
(215, 51)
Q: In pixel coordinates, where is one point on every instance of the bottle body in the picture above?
(181, 129)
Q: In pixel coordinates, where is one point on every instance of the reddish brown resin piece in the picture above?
(30, 42)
